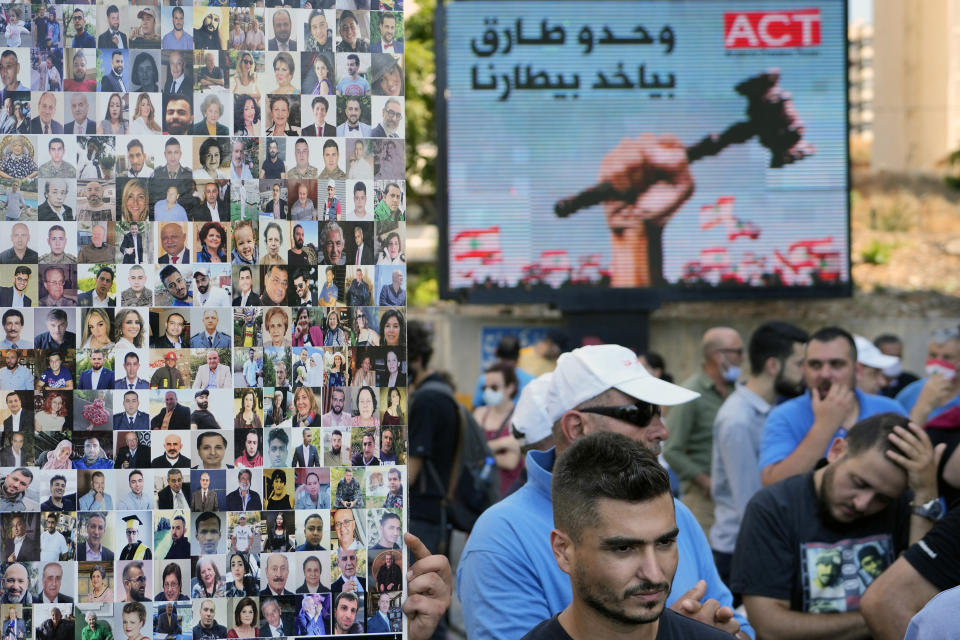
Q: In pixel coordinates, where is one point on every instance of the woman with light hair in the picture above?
(134, 203)
(96, 329)
(144, 120)
(306, 410)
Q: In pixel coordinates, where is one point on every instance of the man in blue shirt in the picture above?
(798, 433)
(15, 376)
(508, 558)
(83, 39)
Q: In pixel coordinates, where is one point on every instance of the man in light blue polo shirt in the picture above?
(799, 432)
(508, 558)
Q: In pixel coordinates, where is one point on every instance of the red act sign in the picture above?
(771, 29)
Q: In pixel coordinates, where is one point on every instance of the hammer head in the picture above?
(771, 112)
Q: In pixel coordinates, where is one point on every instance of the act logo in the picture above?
(771, 29)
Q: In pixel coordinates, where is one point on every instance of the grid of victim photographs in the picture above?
(203, 299)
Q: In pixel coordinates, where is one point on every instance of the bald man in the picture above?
(689, 448)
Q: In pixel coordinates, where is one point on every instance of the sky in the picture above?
(862, 9)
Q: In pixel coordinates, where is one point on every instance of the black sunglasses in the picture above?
(639, 414)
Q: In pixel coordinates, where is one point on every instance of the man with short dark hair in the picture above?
(58, 501)
(177, 38)
(131, 365)
(178, 112)
(112, 80)
(799, 431)
(112, 38)
(320, 126)
(99, 296)
(615, 535)
(56, 167)
(179, 545)
(16, 296)
(601, 388)
(93, 549)
(799, 538)
(345, 607)
(208, 627)
(775, 352)
(20, 547)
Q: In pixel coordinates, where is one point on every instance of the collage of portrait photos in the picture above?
(203, 298)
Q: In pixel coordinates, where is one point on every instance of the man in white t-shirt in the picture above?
(242, 535)
(52, 543)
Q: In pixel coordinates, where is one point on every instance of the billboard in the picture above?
(609, 153)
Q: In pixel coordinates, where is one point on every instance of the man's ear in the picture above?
(562, 547)
(837, 449)
(572, 425)
(772, 366)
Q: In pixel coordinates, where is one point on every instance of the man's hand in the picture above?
(834, 408)
(653, 173)
(429, 585)
(709, 612)
(936, 392)
(919, 459)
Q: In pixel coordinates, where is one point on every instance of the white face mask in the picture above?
(492, 398)
(732, 373)
(946, 369)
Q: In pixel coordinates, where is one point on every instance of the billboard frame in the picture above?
(599, 298)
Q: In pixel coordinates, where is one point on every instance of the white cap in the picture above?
(869, 355)
(530, 415)
(587, 372)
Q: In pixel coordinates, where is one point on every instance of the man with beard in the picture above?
(208, 35)
(598, 519)
(208, 627)
(174, 415)
(112, 81)
(96, 209)
(17, 377)
(345, 613)
(593, 389)
(335, 418)
(136, 160)
(13, 491)
(776, 370)
(282, 28)
(179, 545)
(93, 456)
(112, 38)
(16, 584)
(82, 40)
(799, 431)
(272, 166)
(202, 418)
(243, 498)
(394, 498)
(178, 115)
(177, 38)
(208, 295)
(300, 255)
(352, 127)
(172, 445)
(134, 549)
(861, 496)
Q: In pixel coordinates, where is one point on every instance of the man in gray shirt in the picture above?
(776, 353)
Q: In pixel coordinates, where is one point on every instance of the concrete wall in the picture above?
(675, 336)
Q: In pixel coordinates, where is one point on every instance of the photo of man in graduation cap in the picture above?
(134, 549)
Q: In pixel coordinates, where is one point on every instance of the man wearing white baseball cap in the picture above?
(508, 561)
(872, 361)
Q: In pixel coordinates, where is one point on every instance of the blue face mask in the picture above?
(492, 398)
(732, 373)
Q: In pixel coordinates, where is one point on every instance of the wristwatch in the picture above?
(933, 510)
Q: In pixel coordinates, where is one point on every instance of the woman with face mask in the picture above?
(499, 391)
